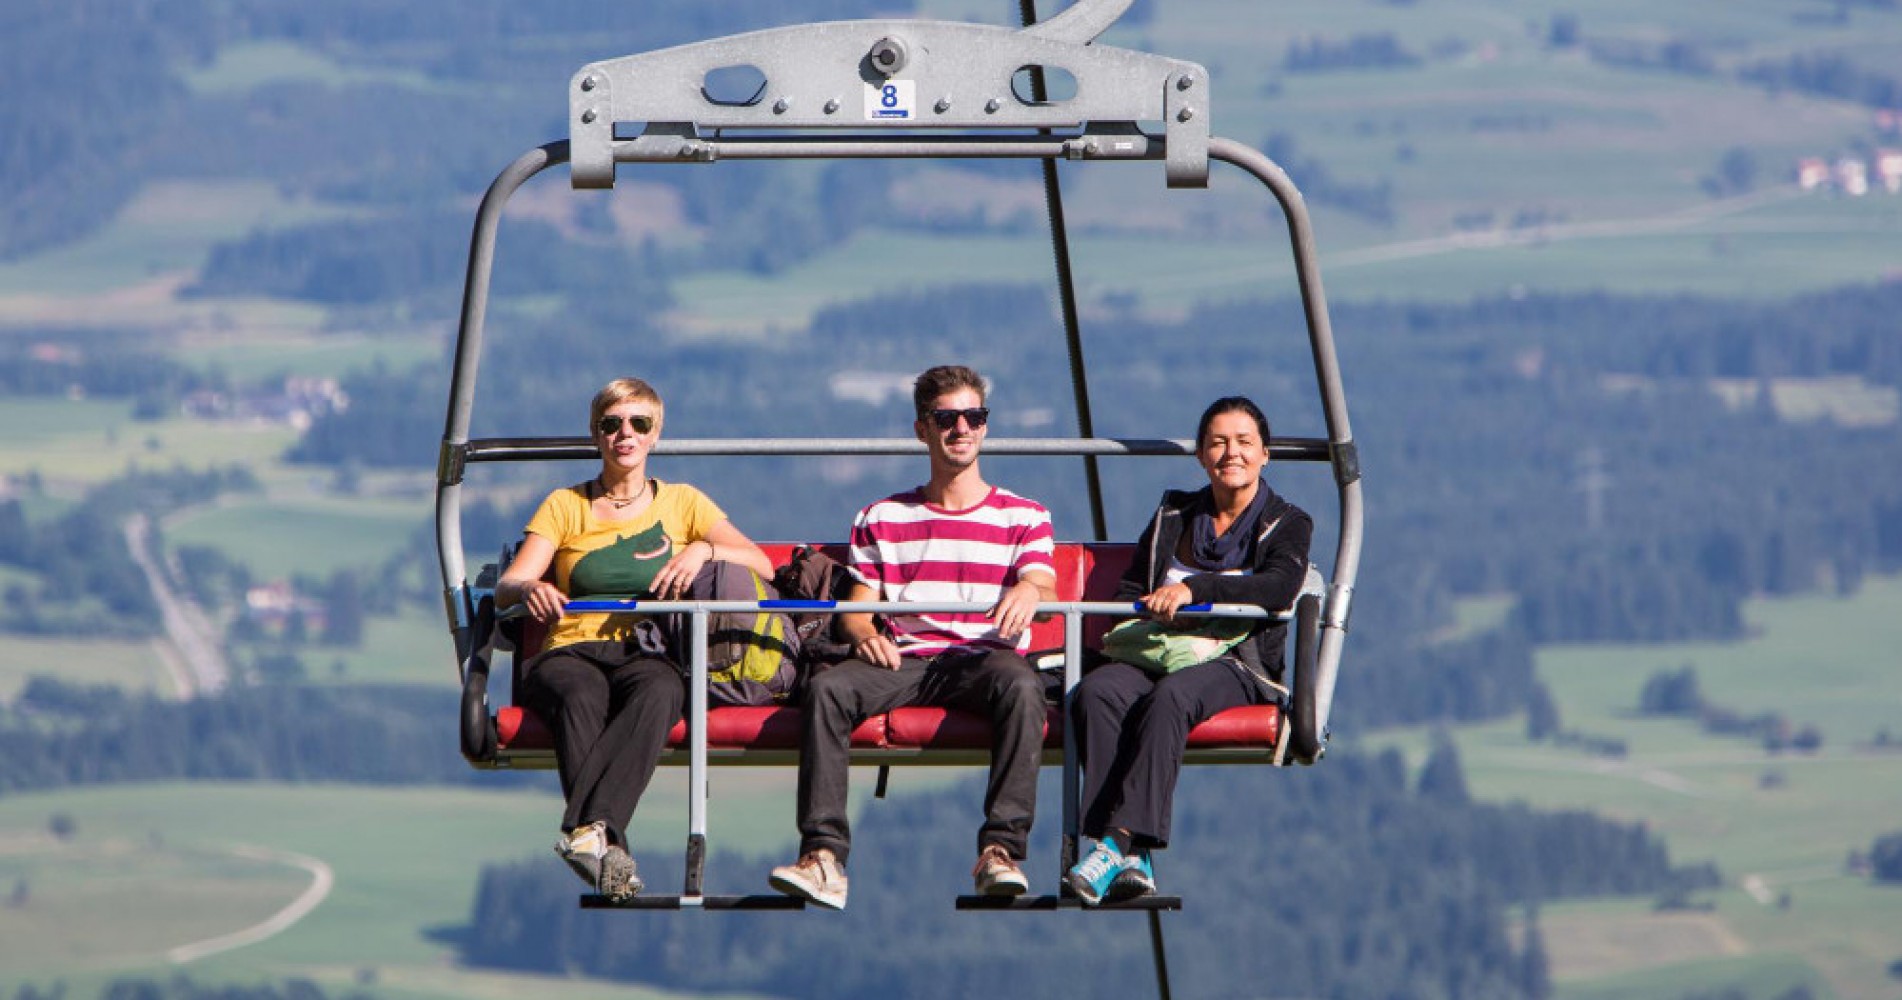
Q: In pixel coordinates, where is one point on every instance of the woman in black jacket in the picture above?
(1235, 542)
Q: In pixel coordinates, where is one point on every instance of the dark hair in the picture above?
(935, 382)
(1232, 404)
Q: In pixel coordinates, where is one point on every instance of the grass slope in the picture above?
(1775, 824)
(154, 867)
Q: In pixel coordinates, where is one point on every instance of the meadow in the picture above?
(1779, 825)
(151, 868)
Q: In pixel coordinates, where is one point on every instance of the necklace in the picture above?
(619, 503)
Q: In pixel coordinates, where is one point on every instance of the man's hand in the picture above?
(1015, 610)
(877, 650)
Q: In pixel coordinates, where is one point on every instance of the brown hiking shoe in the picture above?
(816, 877)
(997, 874)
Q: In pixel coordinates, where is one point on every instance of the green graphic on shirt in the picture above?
(625, 569)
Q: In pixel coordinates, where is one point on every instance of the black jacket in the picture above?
(1278, 557)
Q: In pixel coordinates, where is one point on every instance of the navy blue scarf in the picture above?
(1231, 549)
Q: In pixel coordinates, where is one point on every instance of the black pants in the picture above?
(610, 705)
(998, 685)
(1132, 727)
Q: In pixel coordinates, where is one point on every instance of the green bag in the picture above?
(1158, 648)
(752, 656)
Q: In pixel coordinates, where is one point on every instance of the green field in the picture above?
(240, 68)
(313, 535)
(1774, 823)
(76, 443)
(248, 358)
(1770, 249)
(131, 665)
(156, 867)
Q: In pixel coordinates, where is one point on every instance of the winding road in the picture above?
(191, 651)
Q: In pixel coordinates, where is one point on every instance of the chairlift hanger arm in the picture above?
(948, 77)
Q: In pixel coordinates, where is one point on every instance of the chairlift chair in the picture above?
(901, 89)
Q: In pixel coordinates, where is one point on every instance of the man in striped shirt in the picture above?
(954, 539)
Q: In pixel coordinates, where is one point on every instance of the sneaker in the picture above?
(620, 880)
(582, 849)
(997, 874)
(1136, 879)
(606, 868)
(816, 877)
(1090, 878)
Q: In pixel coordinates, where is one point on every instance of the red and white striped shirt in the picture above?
(908, 550)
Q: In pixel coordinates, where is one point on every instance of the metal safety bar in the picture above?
(458, 458)
(693, 890)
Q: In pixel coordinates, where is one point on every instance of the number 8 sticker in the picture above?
(894, 100)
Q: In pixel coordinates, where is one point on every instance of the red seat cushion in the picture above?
(1244, 726)
(770, 727)
(931, 728)
(918, 727)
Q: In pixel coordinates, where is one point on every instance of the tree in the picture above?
(1535, 972)
(1671, 693)
(1885, 858)
(343, 610)
(1443, 779)
(1542, 713)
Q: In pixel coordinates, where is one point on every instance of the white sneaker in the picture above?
(997, 873)
(816, 877)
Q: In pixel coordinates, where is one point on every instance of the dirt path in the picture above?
(321, 881)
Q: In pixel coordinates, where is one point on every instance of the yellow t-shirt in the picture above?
(596, 559)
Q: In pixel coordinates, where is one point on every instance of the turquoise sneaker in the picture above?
(1091, 877)
(1136, 878)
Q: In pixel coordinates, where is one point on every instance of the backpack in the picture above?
(811, 575)
(752, 656)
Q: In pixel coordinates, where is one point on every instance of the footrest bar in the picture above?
(762, 902)
(1140, 903)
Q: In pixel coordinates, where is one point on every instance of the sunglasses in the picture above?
(608, 425)
(976, 416)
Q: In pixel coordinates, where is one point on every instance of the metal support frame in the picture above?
(913, 89)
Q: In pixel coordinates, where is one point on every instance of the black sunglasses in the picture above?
(976, 416)
(641, 422)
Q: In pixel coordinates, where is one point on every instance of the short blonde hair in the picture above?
(620, 391)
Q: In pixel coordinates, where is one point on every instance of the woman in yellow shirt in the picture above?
(605, 684)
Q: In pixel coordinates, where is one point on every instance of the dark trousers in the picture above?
(1132, 727)
(610, 706)
(997, 685)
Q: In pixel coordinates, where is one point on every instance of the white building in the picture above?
(1811, 173)
(1889, 169)
(1852, 177)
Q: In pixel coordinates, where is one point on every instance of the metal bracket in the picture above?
(1346, 459)
(450, 461)
(1340, 605)
(954, 78)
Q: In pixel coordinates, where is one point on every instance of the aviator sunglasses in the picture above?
(641, 422)
(948, 419)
